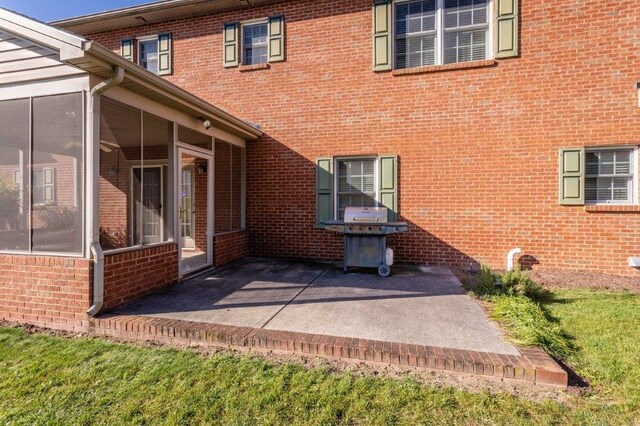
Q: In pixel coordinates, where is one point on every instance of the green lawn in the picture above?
(50, 380)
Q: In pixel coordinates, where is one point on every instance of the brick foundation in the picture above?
(230, 247)
(133, 274)
(52, 292)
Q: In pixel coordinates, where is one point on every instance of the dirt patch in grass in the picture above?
(432, 378)
(561, 279)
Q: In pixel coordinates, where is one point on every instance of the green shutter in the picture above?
(388, 187)
(164, 54)
(506, 28)
(49, 185)
(276, 39)
(126, 49)
(324, 191)
(382, 35)
(231, 40)
(572, 176)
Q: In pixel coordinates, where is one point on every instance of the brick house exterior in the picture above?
(477, 142)
(505, 148)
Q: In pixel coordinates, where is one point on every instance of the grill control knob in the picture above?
(380, 228)
(397, 229)
(370, 229)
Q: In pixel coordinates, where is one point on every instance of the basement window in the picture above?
(610, 176)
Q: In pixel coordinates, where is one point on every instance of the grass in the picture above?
(518, 303)
(530, 325)
(605, 327)
(52, 380)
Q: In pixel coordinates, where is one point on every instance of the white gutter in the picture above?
(93, 197)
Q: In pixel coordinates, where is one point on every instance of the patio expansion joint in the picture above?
(294, 297)
(534, 366)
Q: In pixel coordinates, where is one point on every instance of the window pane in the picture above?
(601, 184)
(356, 184)
(14, 175)
(58, 174)
(255, 44)
(414, 48)
(149, 55)
(464, 46)
(120, 183)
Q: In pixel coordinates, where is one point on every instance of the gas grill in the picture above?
(365, 231)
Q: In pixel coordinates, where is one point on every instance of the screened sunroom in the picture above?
(102, 160)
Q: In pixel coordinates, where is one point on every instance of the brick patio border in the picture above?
(534, 366)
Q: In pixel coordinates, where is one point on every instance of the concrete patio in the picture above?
(419, 317)
(416, 305)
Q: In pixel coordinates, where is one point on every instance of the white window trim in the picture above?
(248, 23)
(336, 179)
(635, 192)
(145, 39)
(440, 31)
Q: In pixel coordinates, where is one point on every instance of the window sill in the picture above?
(618, 208)
(442, 68)
(256, 67)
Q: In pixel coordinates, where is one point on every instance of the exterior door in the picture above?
(195, 211)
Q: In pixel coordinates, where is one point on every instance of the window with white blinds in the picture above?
(434, 32)
(356, 184)
(255, 42)
(610, 176)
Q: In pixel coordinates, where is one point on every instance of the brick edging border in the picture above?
(534, 366)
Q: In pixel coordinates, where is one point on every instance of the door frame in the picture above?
(208, 156)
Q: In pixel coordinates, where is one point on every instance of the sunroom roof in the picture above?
(95, 59)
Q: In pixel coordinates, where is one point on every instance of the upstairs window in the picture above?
(148, 54)
(436, 32)
(255, 44)
(609, 176)
(153, 53)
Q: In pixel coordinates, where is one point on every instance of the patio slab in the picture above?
(424, 306)
(248, 294)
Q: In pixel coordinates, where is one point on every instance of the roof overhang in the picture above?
(149, 13)
(101, 61)
(97, 60)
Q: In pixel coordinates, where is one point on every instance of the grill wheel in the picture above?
(384, 271)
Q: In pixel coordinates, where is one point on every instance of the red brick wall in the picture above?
(478, 147)
(45, 291)
(230, 247)
(136, 273)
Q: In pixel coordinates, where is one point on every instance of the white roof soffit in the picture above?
(69, 45)
(148, 13)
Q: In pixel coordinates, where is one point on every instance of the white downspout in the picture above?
(93, 197)
(511, 258)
